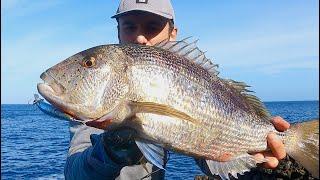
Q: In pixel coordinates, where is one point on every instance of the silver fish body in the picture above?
(170, 94)
(222, 119)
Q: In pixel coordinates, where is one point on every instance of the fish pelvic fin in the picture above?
(154, 108)
(190, 51)
(302, 144)
(238, 165)
(154, 153)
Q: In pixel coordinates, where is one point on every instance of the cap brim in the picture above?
(143, 10)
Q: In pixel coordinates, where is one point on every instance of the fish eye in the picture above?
(89, 62)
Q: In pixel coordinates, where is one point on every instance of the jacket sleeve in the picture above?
(87, 158)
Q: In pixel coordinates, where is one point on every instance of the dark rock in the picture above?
(287, 169)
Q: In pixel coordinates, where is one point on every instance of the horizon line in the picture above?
(269, 101)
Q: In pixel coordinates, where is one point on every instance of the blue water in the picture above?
(34, 145)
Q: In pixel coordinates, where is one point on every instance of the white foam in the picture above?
(51, 176)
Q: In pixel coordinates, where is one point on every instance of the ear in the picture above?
(173, 34)
(118, 34)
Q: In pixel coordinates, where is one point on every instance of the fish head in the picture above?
(87, 85)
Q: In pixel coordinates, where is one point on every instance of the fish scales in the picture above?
(189, 74)
(159, 76)
(176, 133)
(157, 59)
(163, 65)
(169, 99)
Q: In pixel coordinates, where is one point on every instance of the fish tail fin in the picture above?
(302, 144)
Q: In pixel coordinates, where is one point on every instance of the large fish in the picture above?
(171, 96)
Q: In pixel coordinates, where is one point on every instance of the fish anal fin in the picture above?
(225, 157)
(237, 165)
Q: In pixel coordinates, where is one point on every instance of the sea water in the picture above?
(35, 145)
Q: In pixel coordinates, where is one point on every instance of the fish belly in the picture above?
(193, 139)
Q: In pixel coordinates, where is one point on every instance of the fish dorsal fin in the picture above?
(252, 100)
(191, 52)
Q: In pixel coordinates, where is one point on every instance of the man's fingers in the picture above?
(280, 124)
(276, 146)
(258, 156)
(272, 162)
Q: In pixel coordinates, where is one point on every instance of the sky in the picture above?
(271, 45)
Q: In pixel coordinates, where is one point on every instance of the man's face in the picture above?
(144, 28)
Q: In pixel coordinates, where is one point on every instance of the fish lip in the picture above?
(46, 91)
(53, 91)
(52, 82)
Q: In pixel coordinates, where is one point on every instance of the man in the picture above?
(95, 154)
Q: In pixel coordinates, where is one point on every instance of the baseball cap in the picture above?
(160, 7)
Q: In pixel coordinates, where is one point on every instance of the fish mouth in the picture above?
(53, 92)
(54, 84)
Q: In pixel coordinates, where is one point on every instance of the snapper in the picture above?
(171, 96)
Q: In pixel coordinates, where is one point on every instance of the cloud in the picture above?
(28, 49)
(272, 49)
(46, 46)
(25, 56)
(20, 8)
(10, 4)
(300, 63)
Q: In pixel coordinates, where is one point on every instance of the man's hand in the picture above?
(121, 148)
(275, 144)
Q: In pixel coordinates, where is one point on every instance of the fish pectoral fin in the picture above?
(155, 154)
(240, 164)
(154, 108)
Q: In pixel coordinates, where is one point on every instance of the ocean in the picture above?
(34, 145)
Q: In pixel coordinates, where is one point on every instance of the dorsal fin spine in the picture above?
(165, 42)
(183, 40)
(182, 48)
(174, 45)
(177, 42)
(200, 59)
(185, 49)
(202, 53)
(189, 52)
(203, 62)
